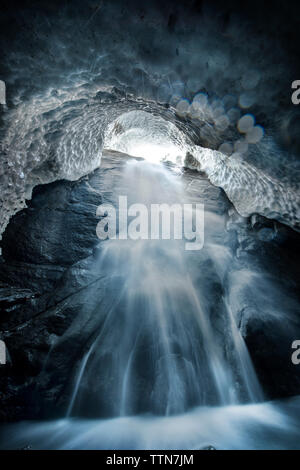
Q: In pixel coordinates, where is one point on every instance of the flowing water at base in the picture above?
(259, 426)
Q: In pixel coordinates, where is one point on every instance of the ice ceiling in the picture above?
(160, 81)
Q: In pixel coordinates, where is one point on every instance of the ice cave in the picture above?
(133, 341)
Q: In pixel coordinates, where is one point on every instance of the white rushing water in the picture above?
(169, 342)
(258, 426)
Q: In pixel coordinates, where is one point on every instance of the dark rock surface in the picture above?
(268, 313)
(48, 276)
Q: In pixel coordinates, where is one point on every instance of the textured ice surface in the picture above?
(60, 135)
(60, 66)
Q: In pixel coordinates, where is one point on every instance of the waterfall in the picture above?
(170, 341)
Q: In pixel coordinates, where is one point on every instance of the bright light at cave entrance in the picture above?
(142, 134)
(155, 153)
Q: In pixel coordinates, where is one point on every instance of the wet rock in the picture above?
(266, 234)
(58, 228)
(11, 296)
(269, 341)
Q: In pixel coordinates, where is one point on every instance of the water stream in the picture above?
(170, 342)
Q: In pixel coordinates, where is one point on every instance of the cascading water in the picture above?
(169, 341)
